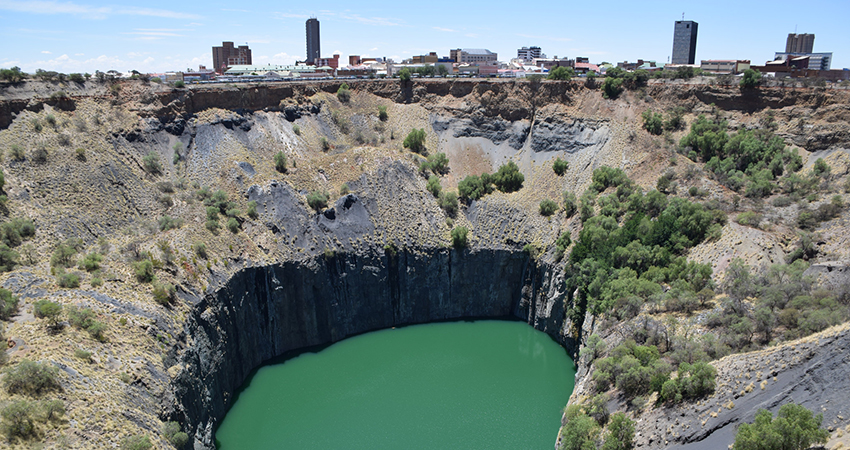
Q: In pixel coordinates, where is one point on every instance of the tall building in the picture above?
(227, 55)
(799, 43)
(473, 55)
(529, 53)
(313, 48)
(684, 42)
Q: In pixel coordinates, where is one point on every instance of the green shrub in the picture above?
(96, 329)
(433, 186)
(163, 293)
(437, 163)
(415, 140)
(18, 420)
(579, 432)
(48, 310)
(343, 93)
(344, 189)
(144, 271)
(448, 201)
(795, 428)
(570, 206)
(51, 409)
(80, 318)
(16, 230)
(200, 249)
(68, 280)
(296, 129)
(233, 225)
(151, 163)
(139, 442)
(653, 122)
(459, 237)
(167, 223)
(252, 209)
(751, 79)
(548, 207)
(63, 256)
(8, 304)
(96, 281)
(382, 113)
(508, 178)
(31, 378)
(694, 381)
(806, 220)
(172, 433)
(821, 168)
(280, 162)
(560, 166)
(179, 85)
(612, 88)
(621, 433)
(91, 262)
(85, 355)
(561, 73)
(324, 144)
(17, 152)
(749, 218)
(317, 200)
(474, 187)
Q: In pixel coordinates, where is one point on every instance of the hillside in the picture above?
(191, 298)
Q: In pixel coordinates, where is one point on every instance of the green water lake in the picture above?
(463, 385)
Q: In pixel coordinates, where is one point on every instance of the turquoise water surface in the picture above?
(459, 385)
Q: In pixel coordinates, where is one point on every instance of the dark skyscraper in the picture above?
(313, 48)
(799, 43)
(227, 55)
(684, 42)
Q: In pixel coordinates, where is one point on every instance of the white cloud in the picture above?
(377, 21)
(373, 49)
(45, 52)
(447, 30)
(88, 11)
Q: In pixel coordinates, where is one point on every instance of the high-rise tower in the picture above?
(313, 48)
(684, 42)
(799, 43)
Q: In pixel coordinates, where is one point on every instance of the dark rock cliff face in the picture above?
(264, 312)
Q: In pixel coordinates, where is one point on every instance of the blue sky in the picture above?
(89, 35)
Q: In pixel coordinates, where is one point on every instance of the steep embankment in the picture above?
(285, 277)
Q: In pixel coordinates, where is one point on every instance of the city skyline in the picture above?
(80, 36)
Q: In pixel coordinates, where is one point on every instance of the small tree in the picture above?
(8, 304)
(343, 93)
(151, 163)
(18, 420)
(433, 186)
(654, 123)
(317, 200)
(459, 237)
(172, 433)
(621, 433)
(382, 113)
(508, 178)
(612, 88)
(561, 73)
(751, 79)
(31, 378)
(404, 74)
(448, 202)
(50, 311)
(548, 207)
(252, 209)
(795, 428)
(144, 271)
(415, 140)
(560, 166)
(280, 162)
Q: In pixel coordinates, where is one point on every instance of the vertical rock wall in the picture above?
(264, 312)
